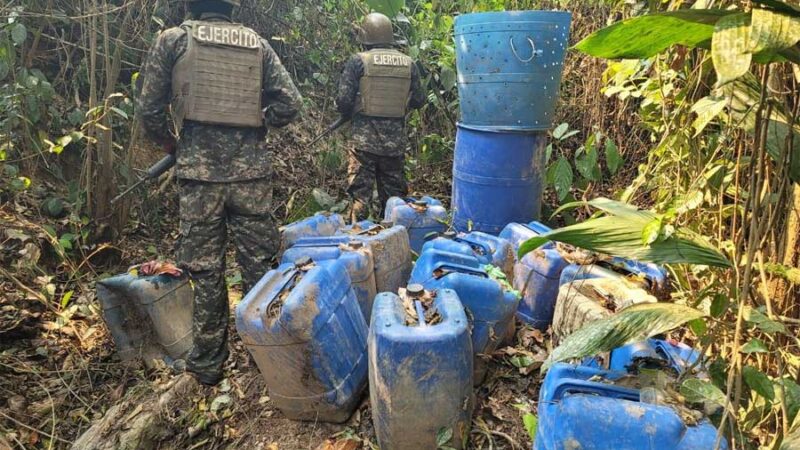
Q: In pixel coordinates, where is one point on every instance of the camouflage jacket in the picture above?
(211, 152)
(380, 136)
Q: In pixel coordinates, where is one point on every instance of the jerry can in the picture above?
(305, 330)
(646, 275)
(677, 356)
(487, 249)
(581, 407)
(355, 255)
(421, 217)
(148, 310)
(320, 224)
(490, 308)
(585, 301)
(420, 369)
(390, 251)
(517, 233)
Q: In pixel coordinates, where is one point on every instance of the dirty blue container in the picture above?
(355, 255)
(320, 224)
(487, 249)
(139, 308)
(647, 276)
(420, 376)
(305, 330)
(517, 233)
(421, 216)
(498, 178)
(509, 68)
(389, 244)
(580, 407)
(678, 356)
(490, 308)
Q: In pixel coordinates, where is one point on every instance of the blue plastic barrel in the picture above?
(420, 376)
(573, 398)
(509, 67)
(320, 224)
(305, 330)
(497, 179)
(487, 249)
(421, 217)
(355, 255)
(490, 307)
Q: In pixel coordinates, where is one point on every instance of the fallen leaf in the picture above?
(343, 444)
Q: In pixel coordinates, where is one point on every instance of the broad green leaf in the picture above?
(729, 47)
(791, 392)
(444, 436)
(651, 231)
(530, 422)
(707, 109)
(389, 7)
(120, 112)
(632, 324)
(646, 36)
(719, 305)
(759, 382)
(588, 166)
(772, 31)
(701, 391)
(448, 78)
(614, 159)
(560, 130)
(780, 6)
(19, 33)
(755, 346)
(761, 321)
(562, 177)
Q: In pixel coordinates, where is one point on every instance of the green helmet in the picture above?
(376, 29)
(234, 3)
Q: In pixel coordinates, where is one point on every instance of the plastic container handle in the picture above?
(449, 268)
(534, 51)
(570, 386)
(471, 243)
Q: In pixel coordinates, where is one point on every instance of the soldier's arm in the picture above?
(155, 95)
(418, 97)
(349, 85)
(282, 100)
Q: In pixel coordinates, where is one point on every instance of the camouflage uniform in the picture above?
(380, 143)
(224, 178)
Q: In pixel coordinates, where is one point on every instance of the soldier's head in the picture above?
(222, 7)
(375, 31)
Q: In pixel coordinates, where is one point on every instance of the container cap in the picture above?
(303, 261)
(415, 290)
(449, 234)
(356, 244)
(420, 203)
(387, 223)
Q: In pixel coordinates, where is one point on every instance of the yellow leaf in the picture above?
(729, 47)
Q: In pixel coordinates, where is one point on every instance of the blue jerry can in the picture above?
(320, 224)
(355, 255)
(675, 355)
(646, 276)
(421, 217)
(306, 332)
(490, 308)
(420, 374)
(580, 407)
(389, 244)
(536, 275)
(135, 307)
(487, 249)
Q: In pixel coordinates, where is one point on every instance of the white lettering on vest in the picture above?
(391, 60)
(237, 37)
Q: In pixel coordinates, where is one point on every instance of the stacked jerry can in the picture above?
(304, 328)
(389, 244)
(148, 316)
(487, 249)
(490, 307)
(318, 225)
(647, 275)
(631, 411)
(536, 275)
(420, 369)
(420, 216)
(509, 72)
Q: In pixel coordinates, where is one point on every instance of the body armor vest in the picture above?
(218, 79)
(386, 84)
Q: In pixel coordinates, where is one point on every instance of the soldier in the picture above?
(224, 85)
(378, 87)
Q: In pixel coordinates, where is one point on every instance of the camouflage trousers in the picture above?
(367, 170)
(208, 213)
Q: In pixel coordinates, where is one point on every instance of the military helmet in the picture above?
(376, 29)
(234, 3)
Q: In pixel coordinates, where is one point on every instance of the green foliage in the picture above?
(388, 7)
(632, 324)
(702, 391)
(531, 423)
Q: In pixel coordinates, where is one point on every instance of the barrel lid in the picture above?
(303, 261)
(415, 290)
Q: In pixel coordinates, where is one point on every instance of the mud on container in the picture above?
(320, 224)
(306, 332)
(675, 355)
(498, 178)
(509, 68)
(390, 249)
(490, 308)
(421, 217)
(420, 375)
(487, 249)
(148, 310)
(355, 255)
(580, 407)
(647, 276)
